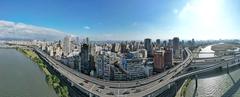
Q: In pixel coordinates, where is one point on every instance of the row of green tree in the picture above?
(52, 80)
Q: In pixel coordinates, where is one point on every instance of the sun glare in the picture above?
(205, 17)
(209, 13)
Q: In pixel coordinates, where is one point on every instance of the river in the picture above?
(20, 77)
(216, 83)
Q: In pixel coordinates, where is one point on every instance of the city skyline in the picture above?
(119, 48)
(120, 20)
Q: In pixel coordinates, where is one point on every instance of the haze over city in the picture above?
(119, 19)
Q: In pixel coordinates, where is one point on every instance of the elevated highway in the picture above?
(222, 64)
(97, 87)
(206, 62)
(204, 52)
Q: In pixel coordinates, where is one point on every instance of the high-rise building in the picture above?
(92, 62)
(170, 43)
(176, 47)
(164, 43)
(123, 62)
(44, 46)
(158, 43)
(168, 57)
(135, 69)
(100, 62)
(176, 43)
(124, 48)
(143, 52)
(85, 67)
(76, 63)
(148, 46)
(57, 52)
(193, 42)
(104, 64)
(182, 43)
(50, 50)
(158, 60)
(77, 40)
(87, 40)
(67, 45)
(115, 47)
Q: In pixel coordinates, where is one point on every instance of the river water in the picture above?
(20, 77)
(215, 83)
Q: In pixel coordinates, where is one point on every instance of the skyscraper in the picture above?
(77, 40)
(164, 43)
(85, 67)
(182, 43)
(148, 46)
(115, 47)
(87, 40)
(176, 47)
(158, 43)
(123, 48)
(67, 45)
(168, 57)
(170, 43)
(100, 65)
(193, 42)
(176, 43)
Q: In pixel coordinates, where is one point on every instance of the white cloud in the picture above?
(10, 29)
(87, 27)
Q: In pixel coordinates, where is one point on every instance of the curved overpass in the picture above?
(231, 62)
(223, 64)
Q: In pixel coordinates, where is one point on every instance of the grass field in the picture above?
(224, 47)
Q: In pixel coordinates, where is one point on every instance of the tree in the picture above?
(49, 79)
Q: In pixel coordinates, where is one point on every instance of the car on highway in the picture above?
(160, 80)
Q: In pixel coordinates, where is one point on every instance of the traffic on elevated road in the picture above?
(107, 86)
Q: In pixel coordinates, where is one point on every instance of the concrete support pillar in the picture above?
(175, 87)
(90, 95)
(227, 68)
(72, 83)
(169, 86)
(196, 81)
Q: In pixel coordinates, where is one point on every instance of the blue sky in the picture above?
(125, 19)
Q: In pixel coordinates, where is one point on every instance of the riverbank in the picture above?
(52, 80)
(182, 91)
(225, 49)
(217, 82)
